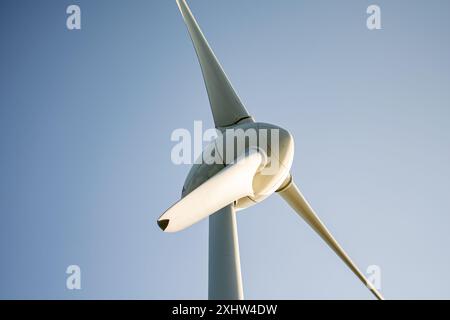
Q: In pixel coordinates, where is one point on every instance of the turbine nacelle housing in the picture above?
(275, 144)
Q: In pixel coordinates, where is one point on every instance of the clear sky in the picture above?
(85, 124)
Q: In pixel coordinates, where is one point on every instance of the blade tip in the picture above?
(163, 224)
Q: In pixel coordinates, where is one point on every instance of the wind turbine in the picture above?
(218, 189)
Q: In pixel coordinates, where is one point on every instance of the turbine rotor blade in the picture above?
(233, 182)
(292, 195)
(226, 107)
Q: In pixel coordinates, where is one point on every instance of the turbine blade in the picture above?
(226, 107)
(230, 184)
(292, 195)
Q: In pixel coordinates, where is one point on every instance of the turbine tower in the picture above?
(241, 175)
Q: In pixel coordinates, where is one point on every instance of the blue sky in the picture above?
(85, 124)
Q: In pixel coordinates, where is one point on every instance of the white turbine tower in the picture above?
(255, 172)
